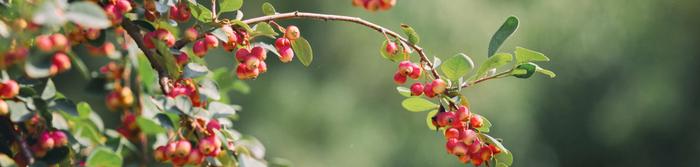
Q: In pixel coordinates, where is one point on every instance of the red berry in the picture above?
(286, 54)
(476, 121)
(386, 4)
(463, 113)
(191, 34)
(208, 145)
(259, 53)
(452, 133)
(182, 148)
(211, 41)
(213, 124)
(44, 43)
(242, 54)
(428, 90)
(446, 118)
(292, 32)
(405, 68)
(439, 86)
(199, 48)
(159, 154)
(415, 71)
(60, 42)
(391, 48)
(416, 89)
(182, 58)
(195, 157)
(59, 138)
(46, 141)
(282, 42)
(148, 40)
(460, 149)
(451, 144)
(123, 6)
(475, 146)
(494, 149)
(165, 36)
(174, 13)
(61, 61)
(170, 150)
(9, 89)
(262, 67)
(399, 79)
(467, 136)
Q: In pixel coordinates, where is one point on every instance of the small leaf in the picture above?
(200, 12)
(220, 34)
(194, 70)
(209, 89)
(88, 15)
(168, 120)
(493, 62)
(404, 91)
(64, 105)
(411, 33)
(104, 157)
(523, 55)
(46, 14)
(49, 91)
(221, 110)
(418, 104)
(37, 69)
(243, 25)
(268, 9)
(183, 104)
(264, 29)
(545, 71)
(84, 110)
(144, 24)
(18, 111)
(241, 86)
(147, 74)
(524, 70)
(168, 60)
(486, 126)
(82, 68)
(429, 119)
(148, 126)
(457, 66)
(302, 49)
(508, 27)
(230, 5)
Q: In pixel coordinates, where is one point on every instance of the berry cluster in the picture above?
(8, 89)
(180, 12)
(283, 45)
(251, 63)
(463, 138)
(187, 87)
(129, 129)
(116, 9)
(406, 70)
(184, 152)
(48, 140)
(373, 5)
(161, 35)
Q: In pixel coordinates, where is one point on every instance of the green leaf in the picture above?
(264, 29)
(64, 105)
(488, 139)
(183, 104)
(508, 27)
(84, 110)
(37, 69)
(523, 55)
(411, 33)
(495, 61)
(504, 159)
(200, 12)
(144, 24)
(418, 104)
(524, 70)
(49, 91)
(147, 74)
(230, 5)
(221, 110)
(82, 68)
(168, 120)
(429, 119)
(104, 157)
(220, 34)
(241, 86)
(404, 91)
(148, 126)
(209, 89)
(302, 49)
(88, 15)
(545, 71)
(457, 66)
(243, 25)
(18, 111)
(168, 60)
(268, 9)
(485, 128)
(194, 70)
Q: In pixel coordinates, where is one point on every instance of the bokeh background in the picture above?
(626, 93)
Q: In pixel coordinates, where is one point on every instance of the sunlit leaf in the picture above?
(229, 5)
(303, 51)
(493, 62)
(104, 157)
(418, 104)
(148, 126)
(200, 12)
(268, 9)
(429, 119)
(404, 91)
(457, 66)
(523, 55)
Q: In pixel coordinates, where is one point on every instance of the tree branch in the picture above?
(327, 17)
(135, 33)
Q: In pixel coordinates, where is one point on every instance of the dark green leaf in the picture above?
(508, 27)
(243, 25)
(268, 9)
(168, 120)
(230, 5)
(82, 68)
(200, 12)
(418, 104)
(523, 55)
(104, 157)
(302, 49)
(524, 70)
(412, 35)
(147, 74)
(148, 126)
(457, 66)
(64, 105)
(88, 15)
(264, 29)
(144, 24)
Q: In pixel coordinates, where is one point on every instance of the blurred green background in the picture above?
(624, 96)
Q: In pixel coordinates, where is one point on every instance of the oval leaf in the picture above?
(429, 119)
(302, 49)
(404, 91)
(523, 55)
(495, 61)
(268, 9)
(194, 70)
(104, 157)
(508, 27)
(230, 5)
(148, 126)
(457, 66)
(200, 12)
(418, 104)
(411, 33)
(88, 15)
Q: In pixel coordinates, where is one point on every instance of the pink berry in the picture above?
(399, 79)
(182, 148)
(292, 32)
(211, 41)
(286, 54)
(191, 34)
(391, 48)
(199, 48)
(439, 86)
(60, 139)
(416, 89)
(446, 118)
(46, 141)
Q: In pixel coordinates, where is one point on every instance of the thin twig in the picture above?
(135, 33)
